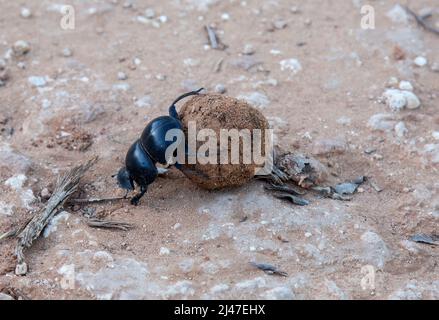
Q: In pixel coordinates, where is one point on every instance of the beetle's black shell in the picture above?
(140, 166)
(153, 137)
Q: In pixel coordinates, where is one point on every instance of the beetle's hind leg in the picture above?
(136, 199)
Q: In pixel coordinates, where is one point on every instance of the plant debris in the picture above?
(421, 21)
(426, 239)
(65, 187)
(284, 188)
(269, 269)
(294, 199)
(105, 224)
(215, 42)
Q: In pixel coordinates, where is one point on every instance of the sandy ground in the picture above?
(191, 243)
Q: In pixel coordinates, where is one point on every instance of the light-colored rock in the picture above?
(256, 99)
(401, 129)
(220, 88)
(6, 209)
(2, 64)
(292, 65)
(398, 14)
(405, 85)
(219, 288)
(164, 251)
(420, 61)
(5, 297)
(37, 81)
(149, 13)
(67, 52)
(54, 223)
(248, 49)
(397, 100)
(21, 47)
(25, 13)
(122, 76)
(279, 293)
(16, 182)
(329, 146)
(145, 101)
(374, 250)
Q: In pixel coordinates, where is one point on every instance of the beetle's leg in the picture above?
(135, 200)
(172, 111)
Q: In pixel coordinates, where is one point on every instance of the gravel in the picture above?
(21, 47)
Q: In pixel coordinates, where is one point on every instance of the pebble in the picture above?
(382, 121)
(257, 99)
(21, 47)
(393, 81)
(345, 121)
(4, 75)
(164, 251)
(2, 64)
(405, 85)
(397, 100)
(145, 101)
(160, 77)
(220, 88)
(225, 16)
(435, 67)
(329, 146)
(5, 297)
(245, 62)
(280, 24)
(294, 9)
(176, 226)
(149, 13)
(122, 76)
(66, 52)
(25, 13)
(420, 61)
(248, 49)
(292, 65)
(37, 81)
(45, 193)
(398, 14)
(401, 129)
(435, 135)
(279, 293)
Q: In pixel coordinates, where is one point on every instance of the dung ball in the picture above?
(214, 116)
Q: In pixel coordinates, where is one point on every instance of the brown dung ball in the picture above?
(216, 112)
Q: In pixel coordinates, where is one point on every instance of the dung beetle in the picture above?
(142, 156)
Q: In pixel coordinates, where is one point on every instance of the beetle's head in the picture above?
(124, 179)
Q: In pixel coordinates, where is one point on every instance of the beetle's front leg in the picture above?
(136, 199)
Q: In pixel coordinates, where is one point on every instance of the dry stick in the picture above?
(421, 21)
(65, 186)
(98, 223)
(96, 200)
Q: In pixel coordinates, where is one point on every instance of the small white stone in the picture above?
(420, 61)
(121, 76)
(401, 129)
(25, 13)
(164, 251)
(16, 182)
(248, 49)
(220, 88)
(67, 52)
(393, 81)
(163, 19)
(291, 64)
(37, 81)
(308, 234)
(2, 64)
(413, 101)
(21, 47)
(294, 9)
(435, 135)
(395, 99)
(176, 226)
(145, 101)
(149, 13)
(405, 85)
(225, 16)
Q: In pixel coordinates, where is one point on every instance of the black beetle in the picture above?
(150, 149)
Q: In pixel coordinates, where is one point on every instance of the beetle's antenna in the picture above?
(192, 93)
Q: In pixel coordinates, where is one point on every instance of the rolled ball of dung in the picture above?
(219, 114)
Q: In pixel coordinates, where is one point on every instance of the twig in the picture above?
(98, 223)
(215, 43)
(96, 200)
(421, 21)
(65, 187)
